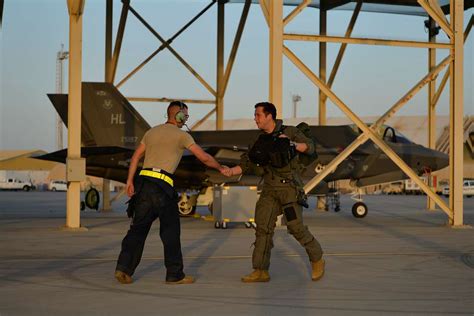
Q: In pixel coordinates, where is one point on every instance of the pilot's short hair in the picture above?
(268, 108)
(173, 104)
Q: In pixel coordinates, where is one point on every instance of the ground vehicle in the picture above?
(57, 185)
(15, 184)
(467, 188)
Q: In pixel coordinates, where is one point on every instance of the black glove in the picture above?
(302, 199)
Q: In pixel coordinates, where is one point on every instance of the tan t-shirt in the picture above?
(164, 146)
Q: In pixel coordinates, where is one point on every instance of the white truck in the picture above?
(15, 184)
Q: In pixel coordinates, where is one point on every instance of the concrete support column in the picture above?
(430, 204)
(220, 65)
(456, 114)
(276, 54)
(75, 165)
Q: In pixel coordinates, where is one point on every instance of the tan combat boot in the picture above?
(318, 269)
(257, 276)
(186, 280)
(122, 277)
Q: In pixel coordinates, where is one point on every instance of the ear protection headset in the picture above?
(180, 116)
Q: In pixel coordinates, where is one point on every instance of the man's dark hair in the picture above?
(179, 104)
(268, 108)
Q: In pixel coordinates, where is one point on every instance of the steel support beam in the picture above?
(220, 65)
(439, 18)
(322, 66)
(235, 46)
(145, 99)
(265, 10)
(118, 40)
(446, 75)
(430, 205)
(456, 114)
(364, 41)
(276, 54)
(367, 131)
(163, 46)
(295, 12)
(343, 47)
(168, 46)
(74, 172)
(106, 202)
(199, 123)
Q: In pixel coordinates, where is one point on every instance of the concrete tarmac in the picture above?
(399, 260)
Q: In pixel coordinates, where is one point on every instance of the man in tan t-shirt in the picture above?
(153, 195)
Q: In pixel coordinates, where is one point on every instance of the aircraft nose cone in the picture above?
(433, 160)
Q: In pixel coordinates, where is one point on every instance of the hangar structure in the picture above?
(443, 15)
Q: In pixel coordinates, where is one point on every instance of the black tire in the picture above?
(248, 225)
(359, 210)
(337, 209)
(53, 189)
(217, 225)
(26, 188)
(92, 199)
(82, 206)
(224, 225)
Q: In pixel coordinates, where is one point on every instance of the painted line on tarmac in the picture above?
(347, 254)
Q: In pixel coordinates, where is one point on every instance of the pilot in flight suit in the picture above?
(282, 191)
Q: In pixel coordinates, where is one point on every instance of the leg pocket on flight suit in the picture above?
(290, 213)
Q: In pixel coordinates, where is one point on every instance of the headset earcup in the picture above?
(179, 117)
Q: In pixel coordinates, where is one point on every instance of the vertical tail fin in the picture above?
(108, 119)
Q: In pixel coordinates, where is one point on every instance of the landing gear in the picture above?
(359, 209)
(186, 204)
(91, 200)
(333, 198)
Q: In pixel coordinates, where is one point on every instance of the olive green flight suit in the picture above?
(279, 196)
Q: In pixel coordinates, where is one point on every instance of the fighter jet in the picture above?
(112, 129)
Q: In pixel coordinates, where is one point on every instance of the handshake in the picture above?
(229, 172)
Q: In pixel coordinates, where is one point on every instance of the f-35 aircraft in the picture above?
(112, 129)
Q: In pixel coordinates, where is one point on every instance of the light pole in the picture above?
(60, 57)
(295, 98)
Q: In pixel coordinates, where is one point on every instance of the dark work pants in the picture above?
(151, 203)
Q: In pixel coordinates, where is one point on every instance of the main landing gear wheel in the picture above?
(185, 205)
(359, 209)
(92, 199)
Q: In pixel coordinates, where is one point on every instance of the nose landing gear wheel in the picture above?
(359, 209)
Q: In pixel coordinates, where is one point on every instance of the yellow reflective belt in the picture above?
(157, 175)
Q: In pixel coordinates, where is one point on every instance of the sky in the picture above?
(369, 81)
